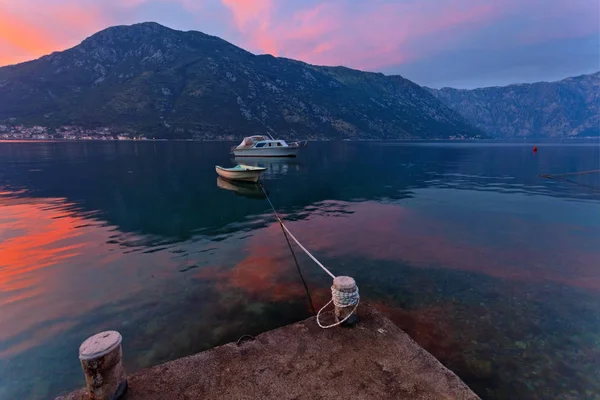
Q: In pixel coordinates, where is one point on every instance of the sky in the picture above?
(436, 43)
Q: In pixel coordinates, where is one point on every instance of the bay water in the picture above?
(492, 268)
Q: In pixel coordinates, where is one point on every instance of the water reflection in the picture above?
(164, 188)
(277, 168)
(486, 265)
(404, 234)
(244, 189)
(35, 236)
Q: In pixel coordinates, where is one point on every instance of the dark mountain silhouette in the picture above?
(566, 108)
(151, 79)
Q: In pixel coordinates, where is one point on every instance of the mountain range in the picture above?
(566, 108)
(151, 79)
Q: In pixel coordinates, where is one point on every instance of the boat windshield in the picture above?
(251, 141)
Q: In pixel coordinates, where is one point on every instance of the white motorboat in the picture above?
(264, 146)
(244, 173)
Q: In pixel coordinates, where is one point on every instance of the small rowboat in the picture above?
(244, 173)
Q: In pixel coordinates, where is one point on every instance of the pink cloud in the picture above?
(373, 36)
(252, 18)
(11, 54)
(370, 35)
(246, 12)
(378, 34)
(25, 36)
(31, 28)
(34, 30)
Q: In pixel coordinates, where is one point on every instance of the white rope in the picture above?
(293, 237)
(340, 300)
(306, 251)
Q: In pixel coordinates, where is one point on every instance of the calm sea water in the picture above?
(491, 268)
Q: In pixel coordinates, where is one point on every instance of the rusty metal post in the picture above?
(101, 362)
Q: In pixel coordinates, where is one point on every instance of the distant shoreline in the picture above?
(507, 140)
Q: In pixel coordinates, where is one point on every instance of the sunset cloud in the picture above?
(247, 12)
(253, 18)
(414, 37)
(367, 35)
(378, 35)
(24, 37)
(34, 30)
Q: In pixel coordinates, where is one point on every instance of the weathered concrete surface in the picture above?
(373, 360)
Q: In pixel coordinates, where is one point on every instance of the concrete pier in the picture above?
(373, 360)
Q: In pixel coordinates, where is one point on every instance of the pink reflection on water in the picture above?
(530, 251)
(56, 266)
(36, 237)
(266, 271)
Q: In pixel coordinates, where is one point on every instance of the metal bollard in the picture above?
(100, 357)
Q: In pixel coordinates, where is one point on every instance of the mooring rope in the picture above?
(550, 176)
(339, 298)
(563, 177)
(292, 236)
(312, 307)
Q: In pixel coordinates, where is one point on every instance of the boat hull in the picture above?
(267, 152)
(242, 176)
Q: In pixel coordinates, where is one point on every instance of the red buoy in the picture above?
(534, 149)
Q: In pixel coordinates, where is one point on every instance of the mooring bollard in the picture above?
(100, 357)
(345, 298)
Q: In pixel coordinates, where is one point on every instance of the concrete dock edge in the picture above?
(373, 360)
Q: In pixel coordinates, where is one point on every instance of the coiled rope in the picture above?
(339, 298)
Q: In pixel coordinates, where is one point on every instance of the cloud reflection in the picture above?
(266, 271)
(55, 265)
(515, 250)
(547, 251)
(36, 236)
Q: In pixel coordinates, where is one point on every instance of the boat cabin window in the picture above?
(279, 144)
(260, 144)
(269, 144)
